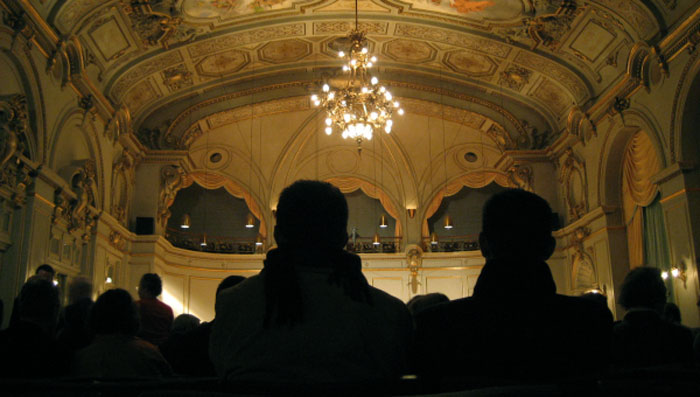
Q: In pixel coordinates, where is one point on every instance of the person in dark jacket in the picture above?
(515, 327)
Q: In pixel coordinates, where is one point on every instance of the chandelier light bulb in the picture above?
(373, 59)
(331, 95)
(345, 68)
(396, 104)
(364, 90)
(400, 112)
(326, 88)
(664, 275)
(329, 130)
(365, 50)
(341, 54)
(373, 116)
(675, 272)
(387, 129)
(329, 121)
(369, 64)
(314, 97)
(374, 81)
(346, 117)
(387, 95)
(353, 62)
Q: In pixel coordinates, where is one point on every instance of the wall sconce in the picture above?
(382, 222)
(186, 222)
(250, 221)
(259, 240)
(433, 239)
(411, 212)
(203, 243)
(376, 241)
(679, 273)
(448, 222)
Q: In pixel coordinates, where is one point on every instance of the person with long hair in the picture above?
(310, 317)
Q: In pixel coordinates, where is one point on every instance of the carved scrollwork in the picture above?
(548, 28)
(521, 177)
(117, 240)
(172, 179)
(13, 126)
(573, 176)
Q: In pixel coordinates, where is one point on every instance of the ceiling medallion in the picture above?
(362, 106)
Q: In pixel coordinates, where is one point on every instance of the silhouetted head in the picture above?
(643, 287)
(150, 286)
(39, 303)
(229, 282)
(114, 312)
(311, 213)
(46, 272)
(79, 288)
(184, 323)
(516, 225)
(596, 297)
(421, 302)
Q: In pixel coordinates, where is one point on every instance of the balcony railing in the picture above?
(468, 242)
(216, 244)
(366, 245)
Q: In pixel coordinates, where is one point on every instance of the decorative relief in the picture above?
(533, 139)
(583, 274)
(500, 137)
(139, 96)
(470, 63)
(227, 42)
(117, 240)
(283, 51)
(223, 63)
(411, 51)
(156, 23)
(449, 113)
(144, 69)
(515, 77)
(551, 95)
(177, 77)
(266, 108)
(631, 12)
(554, 70)
(521, 177)
(320, 28)
(549, 29)
(414, 261)
(13, 126)
(75, 11)
(171, 181)
(83, 185)
(573, 176)
(487, 46)
(123, 174)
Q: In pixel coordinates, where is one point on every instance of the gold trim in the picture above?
(679, 193)
(44, 200)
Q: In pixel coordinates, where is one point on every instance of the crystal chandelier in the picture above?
(362, 106)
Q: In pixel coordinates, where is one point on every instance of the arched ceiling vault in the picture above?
(524, 64)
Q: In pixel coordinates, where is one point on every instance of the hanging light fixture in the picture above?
(186, 222)
(203, 242)
(448, 222)
(362, 106)
(433, 238)
(250, 221)
(376, 241)
(259, 240)
(382, 222)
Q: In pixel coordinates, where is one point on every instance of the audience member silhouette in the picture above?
(672, 313)
(515, 326)
(183, 324)
(28, 348)
(421, 302)
(310, 317)
(156, 317)
(643, 338)
(115, 351)
(73, 328)
(188, 354)
(596, 297)
(43, 271)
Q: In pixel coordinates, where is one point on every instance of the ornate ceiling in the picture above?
(517, 70)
